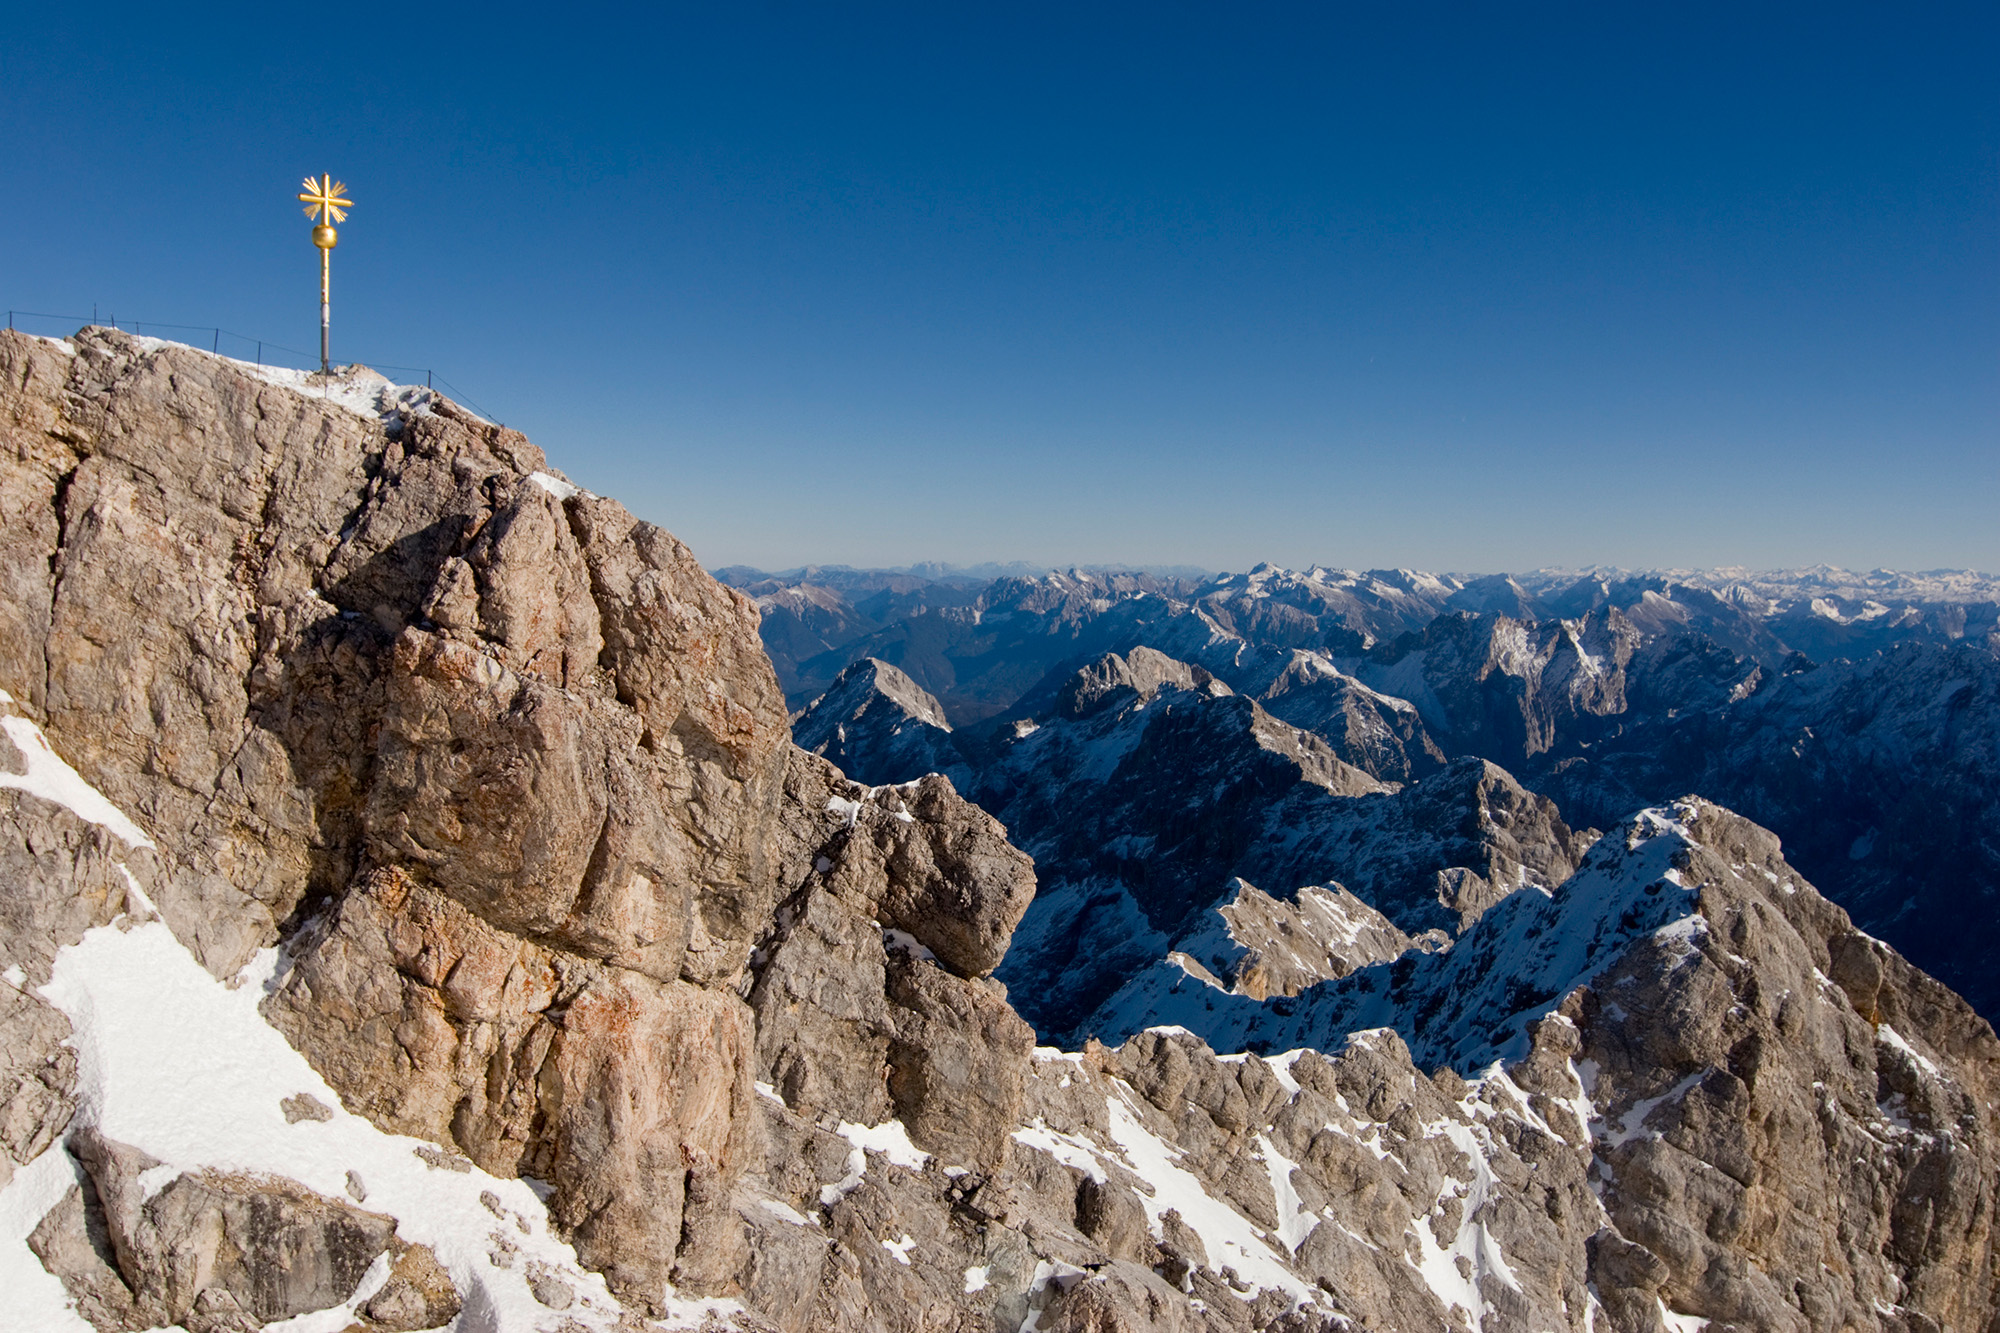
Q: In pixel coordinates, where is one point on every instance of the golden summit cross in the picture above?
(325, 199)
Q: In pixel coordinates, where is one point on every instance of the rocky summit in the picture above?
(418, 913)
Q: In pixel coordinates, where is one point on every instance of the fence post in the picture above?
(217, 347)
(260, 351)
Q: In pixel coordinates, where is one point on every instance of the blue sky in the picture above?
(1457, 287)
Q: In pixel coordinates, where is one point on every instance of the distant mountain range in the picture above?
(1857, 715)
(966, 636)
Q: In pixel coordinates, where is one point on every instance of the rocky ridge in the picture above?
(433, 891)
(876, 720)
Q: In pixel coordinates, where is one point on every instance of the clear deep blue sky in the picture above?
(1457, 287)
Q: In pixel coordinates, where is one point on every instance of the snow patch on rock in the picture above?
(50, 778)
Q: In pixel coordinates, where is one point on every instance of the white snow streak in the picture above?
(1229, 1237)
(1294, 1222)
(889, 1138)
(53, 780)
(31, 1297)
(1633, 1123)
(555, 486)
(1473, 1243)
(1069, 1149)
(1680, 1323)
(780, 1209)
(1895, 1040)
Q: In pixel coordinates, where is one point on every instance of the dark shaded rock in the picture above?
(880, 727)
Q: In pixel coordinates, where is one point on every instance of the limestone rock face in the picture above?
(1793, 1085)
(646, 1091)
(504, 750)
(870, 994)
(501, 768)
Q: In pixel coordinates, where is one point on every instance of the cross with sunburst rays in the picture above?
(325, 199)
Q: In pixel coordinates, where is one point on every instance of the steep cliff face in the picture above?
(413, 909)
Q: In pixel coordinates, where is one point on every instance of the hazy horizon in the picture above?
(1002, 568)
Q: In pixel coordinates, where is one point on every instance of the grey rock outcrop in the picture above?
(216, 1252)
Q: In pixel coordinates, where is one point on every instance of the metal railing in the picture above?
(263, 347)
